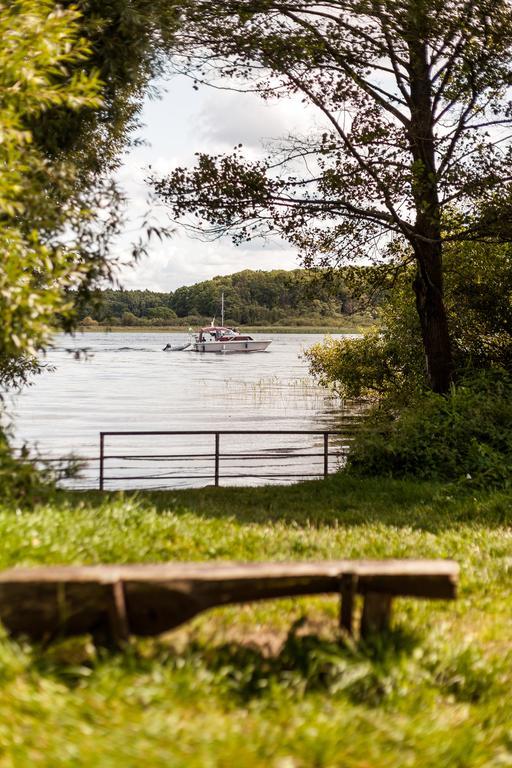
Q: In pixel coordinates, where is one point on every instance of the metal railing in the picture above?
(287, 453)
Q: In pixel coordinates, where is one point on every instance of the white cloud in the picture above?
(244, 118)
(183, 122)
(182, 261)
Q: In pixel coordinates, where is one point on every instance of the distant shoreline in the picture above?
(325, 329)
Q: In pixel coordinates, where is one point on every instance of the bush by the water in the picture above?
(20, 478)
(465, 435)
(27, 479)
(410, 431)
(389, 362)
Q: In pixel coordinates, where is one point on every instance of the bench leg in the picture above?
(348, 590)
(376, 613)
(118, 616)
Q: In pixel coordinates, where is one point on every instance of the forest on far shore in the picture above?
(279, 297)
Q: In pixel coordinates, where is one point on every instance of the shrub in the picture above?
(88, 321)
(128, 318)
(389, 362)
(464, 435)
(21, 480)
(162, 314)
(26, 478)
(373, 366)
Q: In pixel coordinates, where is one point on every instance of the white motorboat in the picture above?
(217, 338)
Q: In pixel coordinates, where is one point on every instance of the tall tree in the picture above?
(68, 107)
(412, 97)
(73, 77)
(40, 56)
(129, 42)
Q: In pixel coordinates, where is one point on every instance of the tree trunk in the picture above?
(426, 237)
(428, 287)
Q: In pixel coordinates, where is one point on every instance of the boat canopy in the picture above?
(221, 333)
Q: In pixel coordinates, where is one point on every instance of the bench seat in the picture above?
(45, 602)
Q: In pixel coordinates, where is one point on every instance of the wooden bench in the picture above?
(120, 600)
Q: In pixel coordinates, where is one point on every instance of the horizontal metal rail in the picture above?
(237, 456)
(245, 455)
(227, 432)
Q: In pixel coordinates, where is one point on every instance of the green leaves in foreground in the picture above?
(39, 46)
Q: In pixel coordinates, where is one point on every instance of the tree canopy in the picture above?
(295, 297)
(73, 78)
(129, 43)
(414, 115)
(40, 56)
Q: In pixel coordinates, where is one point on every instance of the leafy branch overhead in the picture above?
(361, 65)
(413, 114)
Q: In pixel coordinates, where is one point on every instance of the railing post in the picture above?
(326, 454)
(102, 457)
(217, 445)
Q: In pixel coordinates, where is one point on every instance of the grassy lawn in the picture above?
(272, 684)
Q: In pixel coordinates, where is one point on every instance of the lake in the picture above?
(126, 382)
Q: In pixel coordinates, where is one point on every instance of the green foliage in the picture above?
(479, 296)
(21, 482)
(62, 135)
(129, 41)
(465, 435)
(335, 63)
(367, 367)
(389, 363)
(260, 297)
(40, 54)
(26, 479)
(412, 75)
(386, 361)
(251, 298)
(54, 236)
(414, 433)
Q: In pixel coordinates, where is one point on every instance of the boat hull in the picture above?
(228, 347)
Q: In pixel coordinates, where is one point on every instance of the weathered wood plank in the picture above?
(150, 599)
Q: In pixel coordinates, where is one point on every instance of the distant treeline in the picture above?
(279, 297)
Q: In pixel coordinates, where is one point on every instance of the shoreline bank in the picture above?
(325, 329)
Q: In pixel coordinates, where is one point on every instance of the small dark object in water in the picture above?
(170, 348)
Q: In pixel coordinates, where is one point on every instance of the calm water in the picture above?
(128, 383)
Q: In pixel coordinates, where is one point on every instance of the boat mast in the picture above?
(222, 309)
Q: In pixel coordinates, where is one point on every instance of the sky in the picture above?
(180, 123)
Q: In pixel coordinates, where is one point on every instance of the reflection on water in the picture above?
(128, 383)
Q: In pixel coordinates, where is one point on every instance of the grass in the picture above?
(272, 684)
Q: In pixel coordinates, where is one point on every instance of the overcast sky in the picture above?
(182, 122)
